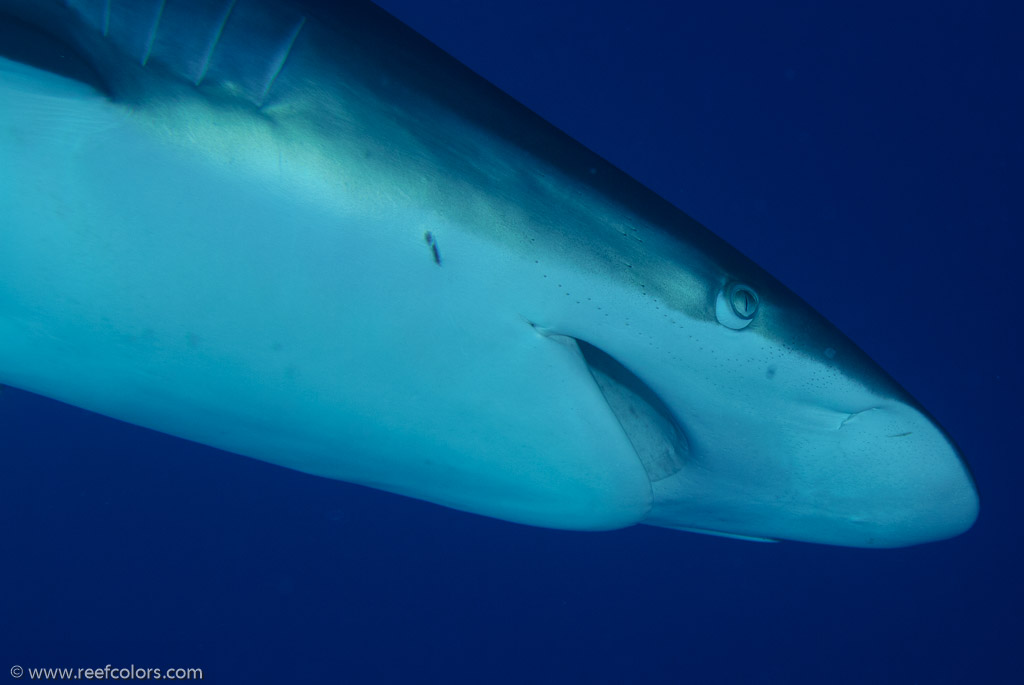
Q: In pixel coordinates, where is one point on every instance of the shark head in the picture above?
(334, 248)
(756, 417)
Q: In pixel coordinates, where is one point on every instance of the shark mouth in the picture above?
(654, 432)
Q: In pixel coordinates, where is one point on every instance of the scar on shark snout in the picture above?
(432, 242)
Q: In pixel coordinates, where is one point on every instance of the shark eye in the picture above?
(736, 305)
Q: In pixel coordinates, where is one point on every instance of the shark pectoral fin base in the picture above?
(655, 434)
(25, 44)
(51, 102)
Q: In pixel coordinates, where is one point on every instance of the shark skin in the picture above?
(332, 247)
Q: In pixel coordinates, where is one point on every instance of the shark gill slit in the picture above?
(153, 32)
(282, 59)
(213, 43)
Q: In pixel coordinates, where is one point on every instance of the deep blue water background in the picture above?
(868, 155)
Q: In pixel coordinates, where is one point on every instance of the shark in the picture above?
(324, 243)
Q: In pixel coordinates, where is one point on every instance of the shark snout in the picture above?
(906, 481)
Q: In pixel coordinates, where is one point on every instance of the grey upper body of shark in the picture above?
(331, 246)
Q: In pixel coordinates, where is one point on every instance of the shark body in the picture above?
(334, 248)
